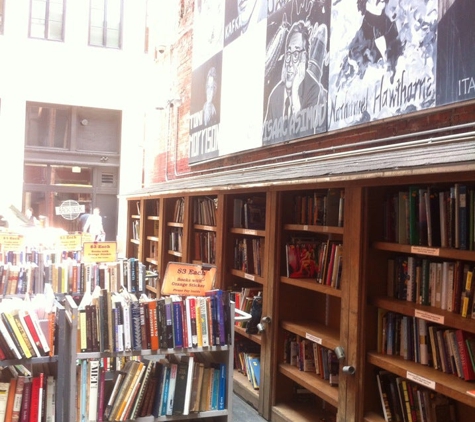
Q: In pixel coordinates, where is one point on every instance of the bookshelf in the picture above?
(219, 355)
(57, 364)
(389, 299)
(134, 229)
(244, 272)
(338, 313)
(308, 307)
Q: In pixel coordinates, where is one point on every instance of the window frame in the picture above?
(47, 22)
(105, 27)
(2, 16)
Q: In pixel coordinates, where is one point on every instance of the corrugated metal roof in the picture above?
(367, 163)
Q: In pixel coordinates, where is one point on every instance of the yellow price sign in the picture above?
(70, 242)
(11, 242)
(99, 252)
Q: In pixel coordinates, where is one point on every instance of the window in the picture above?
(2, 15)
(105, 24)
(48, 126)
(47, 19)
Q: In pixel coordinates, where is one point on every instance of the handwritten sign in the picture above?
(11, 242)
(71, 242)
(99, 252)
(188, 279)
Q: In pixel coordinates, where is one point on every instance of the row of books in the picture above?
(172, 386)
(29, 255)
(175, 239)
(205, 247)
(243, 300)
(204, 211)
(426, 216)
(27, 398)
(443, 284)
(250, 366)
(249, 255)
(23, 335)
(320, 208)
(314, 258)
(179, 210)
(118, 322)
(403, 400)
(309, 356)
(449, 350)
(249, 213)
(71, 276)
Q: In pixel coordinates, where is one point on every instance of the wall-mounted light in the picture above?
(84, 122)
(76, 169)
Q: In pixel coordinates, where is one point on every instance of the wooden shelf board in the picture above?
(243, 388)
(311, 382)
(205, 227)
(174, 253)
(249, 232)
(153, 238)
(299, 412)
(451, 319)
(314, 229)
(328, 337)
(152, 261)
(247, 276)
(311, 284)
(449, 253)
(174, 224)
(136, 241)
(448, 384)
(153, 217)
(373, 417)
(253, 337)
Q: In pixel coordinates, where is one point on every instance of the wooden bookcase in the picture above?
(384, 246)
(345, 317)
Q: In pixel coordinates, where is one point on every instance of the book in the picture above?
(171, 389)
(50, 408)
(20, 385)
(36, 401)
(26, 401)
(4, 392)
(177, 324)
(133, 374)
(181, 385)
(10, 401)
(383, 388)
(93, 388)
(467, 367)
(196, 386)
(143, 387)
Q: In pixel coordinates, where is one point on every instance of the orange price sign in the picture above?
(188, 279)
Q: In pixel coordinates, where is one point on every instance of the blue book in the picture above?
(177, 322)
(166, 388)
(222, 387)
(215, 388)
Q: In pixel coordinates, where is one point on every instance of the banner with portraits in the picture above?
(271, 71)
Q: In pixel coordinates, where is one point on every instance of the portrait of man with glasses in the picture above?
(296, 105)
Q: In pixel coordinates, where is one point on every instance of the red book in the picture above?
(468, 372)
(36, 402)
(101, 398)
(32, 329)
(26, 401)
